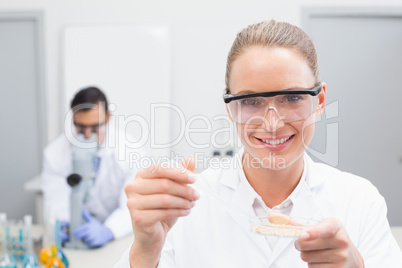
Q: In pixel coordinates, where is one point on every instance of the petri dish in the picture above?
(291, 227)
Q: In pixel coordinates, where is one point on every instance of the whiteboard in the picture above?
(131, 64)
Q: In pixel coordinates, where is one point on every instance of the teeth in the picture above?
(276, 142)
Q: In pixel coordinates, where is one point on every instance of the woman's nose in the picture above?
(273, 120)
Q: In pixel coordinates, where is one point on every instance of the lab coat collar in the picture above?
(312, 176)
(233, 181)
(242, 212)
(253, 196)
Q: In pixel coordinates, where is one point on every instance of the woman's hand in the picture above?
(156, 198)
(328, 245)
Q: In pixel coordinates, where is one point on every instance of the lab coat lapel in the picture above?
(242, 218)
(304, 206)
(239, 207)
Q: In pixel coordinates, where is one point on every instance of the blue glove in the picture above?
(63, 232)
(93, 232)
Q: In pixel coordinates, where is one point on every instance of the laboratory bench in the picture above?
(103, 257)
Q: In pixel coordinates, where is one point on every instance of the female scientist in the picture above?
(273, 94)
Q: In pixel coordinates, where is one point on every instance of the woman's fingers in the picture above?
(158, 172)
(160, 193)
(327, 244)
(323, 256)
(325, 229)
(166, 186)
(150, 217)
(161, 201)
(189, 164)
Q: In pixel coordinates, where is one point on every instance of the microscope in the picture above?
(80, 181)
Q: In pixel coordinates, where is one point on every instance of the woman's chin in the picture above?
(270, 159)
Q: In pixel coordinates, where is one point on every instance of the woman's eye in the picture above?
(293, 98)
(251, 102)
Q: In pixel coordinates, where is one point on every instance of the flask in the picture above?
(30, 259)
(53, 243)
(6, 259)
(54, 261)
(60, 252)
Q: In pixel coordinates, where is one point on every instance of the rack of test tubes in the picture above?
(16, 246)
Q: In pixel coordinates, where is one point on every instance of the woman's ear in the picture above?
(322, 99)
(227, 110)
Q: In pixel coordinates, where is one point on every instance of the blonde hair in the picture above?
(273, 34)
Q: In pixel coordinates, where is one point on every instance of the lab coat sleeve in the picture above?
(167, 259)
(56, 191)
(124, 260)
(377, 245)
(119, 221)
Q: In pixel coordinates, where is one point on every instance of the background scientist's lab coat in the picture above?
(107, 200)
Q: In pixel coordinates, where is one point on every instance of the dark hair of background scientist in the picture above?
(90, 95)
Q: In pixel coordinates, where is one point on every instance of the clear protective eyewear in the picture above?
(81, 128)
(289, 105)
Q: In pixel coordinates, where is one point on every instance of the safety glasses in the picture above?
(287, 105)
(81, 128)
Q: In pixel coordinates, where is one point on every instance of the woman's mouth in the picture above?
(277, 144)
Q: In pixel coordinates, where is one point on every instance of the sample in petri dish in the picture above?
(280, 225)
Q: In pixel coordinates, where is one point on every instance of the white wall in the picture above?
(207, 27)
(132, 65)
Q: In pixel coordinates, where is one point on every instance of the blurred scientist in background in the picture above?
(106, 215)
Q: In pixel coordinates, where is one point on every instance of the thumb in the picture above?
(327, 228)
(189, 164)
(87, 216)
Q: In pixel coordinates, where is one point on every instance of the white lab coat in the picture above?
(217, 231)
(107, 200)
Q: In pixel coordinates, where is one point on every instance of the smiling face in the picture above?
(262, 69)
